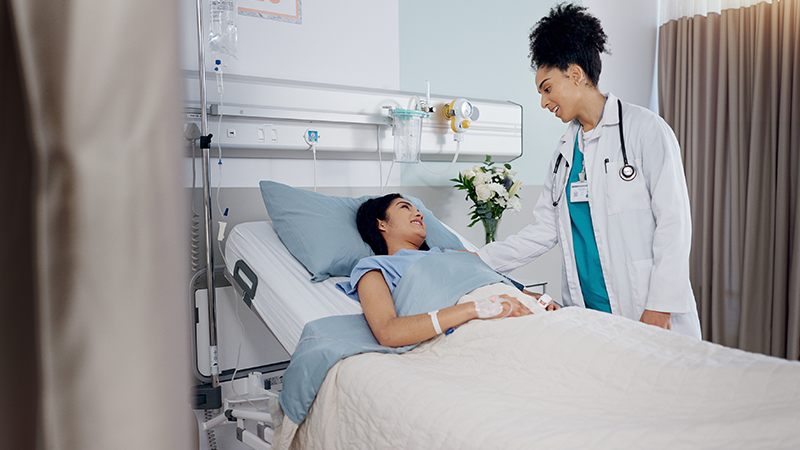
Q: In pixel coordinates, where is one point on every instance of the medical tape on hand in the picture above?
(435, 320)
(489, 307)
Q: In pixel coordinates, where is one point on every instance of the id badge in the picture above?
(579, 192)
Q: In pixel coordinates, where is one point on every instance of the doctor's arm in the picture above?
(393, 331)
(669, 280)
(529, 243)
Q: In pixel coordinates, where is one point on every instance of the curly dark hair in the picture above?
(367, 218)
(568, 35)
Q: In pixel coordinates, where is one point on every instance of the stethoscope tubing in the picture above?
(627, 172)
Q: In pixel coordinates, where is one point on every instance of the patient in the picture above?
(393, 227)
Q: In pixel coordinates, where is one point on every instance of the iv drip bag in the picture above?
(223, 36)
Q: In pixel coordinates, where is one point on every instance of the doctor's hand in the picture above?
(659, 319)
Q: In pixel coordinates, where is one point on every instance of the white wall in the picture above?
(632, 29)
(349, 42)
(346, 42)
(478, 49)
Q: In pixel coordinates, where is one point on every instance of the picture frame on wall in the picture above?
(289, 11)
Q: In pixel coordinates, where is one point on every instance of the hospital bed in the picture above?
(572, 378)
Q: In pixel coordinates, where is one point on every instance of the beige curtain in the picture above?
(93, 315)
(729, 85)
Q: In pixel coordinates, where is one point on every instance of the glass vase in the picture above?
(490, 227)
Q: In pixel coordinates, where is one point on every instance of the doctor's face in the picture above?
(559, 92)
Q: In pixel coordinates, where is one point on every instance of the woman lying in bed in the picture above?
(393, 227)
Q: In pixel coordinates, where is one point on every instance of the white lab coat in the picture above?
(642, 227)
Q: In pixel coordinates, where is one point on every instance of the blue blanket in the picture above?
(434, 282)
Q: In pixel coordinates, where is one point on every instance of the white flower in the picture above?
(481, 178)
(492, 186)
(514, 188)
(501, 191)
(482, 191)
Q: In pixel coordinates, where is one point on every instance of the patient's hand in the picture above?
(517, 308)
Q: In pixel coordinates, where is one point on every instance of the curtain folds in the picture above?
(94, 311)
(729, 85)
(17, 266)
(677, 9)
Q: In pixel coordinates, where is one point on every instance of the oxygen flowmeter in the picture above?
(461, 114)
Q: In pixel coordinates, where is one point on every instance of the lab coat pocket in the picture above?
(639, 277)
(622, 195)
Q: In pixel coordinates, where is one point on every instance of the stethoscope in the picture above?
(627, 172)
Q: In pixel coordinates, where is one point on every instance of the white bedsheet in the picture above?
(285, 298)
(570, 379)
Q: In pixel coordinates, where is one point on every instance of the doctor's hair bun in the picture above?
(568, 35)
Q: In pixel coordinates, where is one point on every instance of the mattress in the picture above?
(285, 299)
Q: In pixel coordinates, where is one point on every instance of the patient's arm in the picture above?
(393, 331)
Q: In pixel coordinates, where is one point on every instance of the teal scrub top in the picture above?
(587, 258)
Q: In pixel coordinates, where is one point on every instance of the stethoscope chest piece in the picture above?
(627, 172)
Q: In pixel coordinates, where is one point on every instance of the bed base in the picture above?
(249, 409)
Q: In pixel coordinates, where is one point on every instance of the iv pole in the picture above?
(205, 145)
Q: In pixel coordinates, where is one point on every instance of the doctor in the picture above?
(615, 194)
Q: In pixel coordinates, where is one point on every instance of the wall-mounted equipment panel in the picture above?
(268, 118)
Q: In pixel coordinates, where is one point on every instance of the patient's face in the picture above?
(403, 221)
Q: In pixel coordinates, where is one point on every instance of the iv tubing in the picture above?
(380, 159)
(455, 158)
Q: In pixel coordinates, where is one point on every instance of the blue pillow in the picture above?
(320, 230)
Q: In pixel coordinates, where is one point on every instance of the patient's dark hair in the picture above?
(568, 35)
(367, 218)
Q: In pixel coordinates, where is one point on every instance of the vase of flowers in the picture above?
(493, 190)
